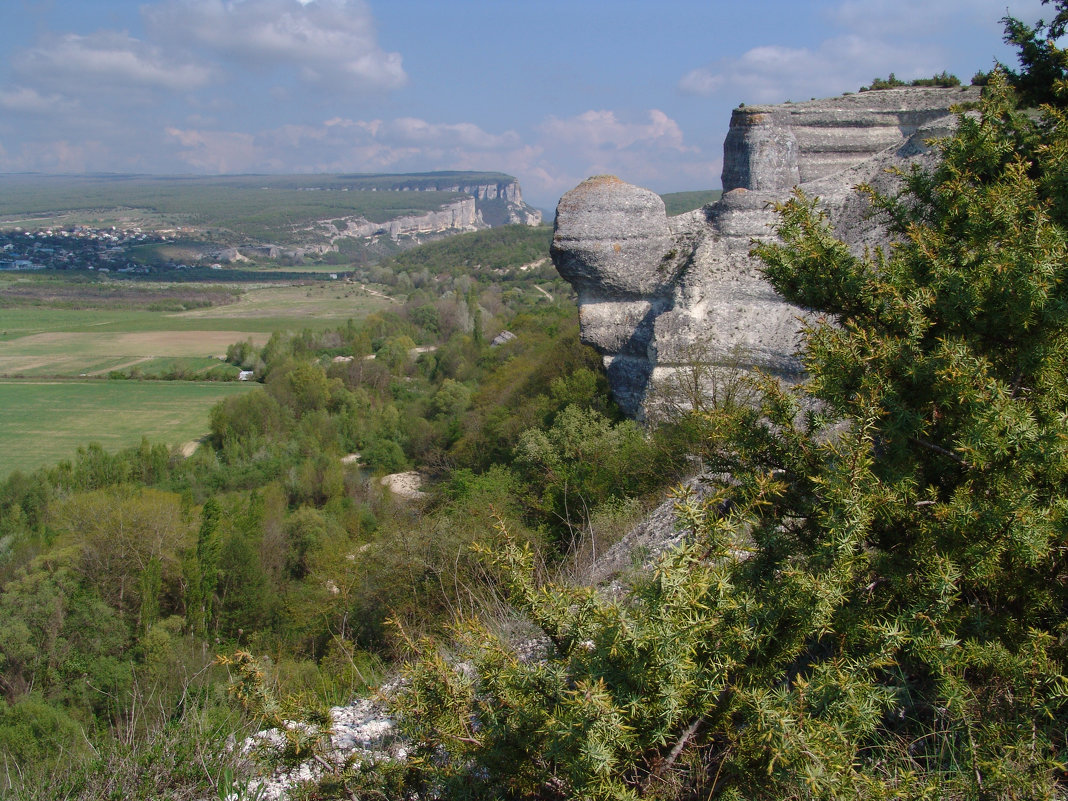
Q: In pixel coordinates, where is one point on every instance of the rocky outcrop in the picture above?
(487, 205)
(361, 732)
(455, 217)
(497, 202)
(661, 296)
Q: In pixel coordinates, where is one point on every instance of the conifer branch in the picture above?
(939, 449)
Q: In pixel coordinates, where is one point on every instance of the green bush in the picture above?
(942, 79)
(385, 456)
(34, 732)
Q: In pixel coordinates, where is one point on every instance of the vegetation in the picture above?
(1043, 65)
(682, 202)
(942, 79)
(477, 253)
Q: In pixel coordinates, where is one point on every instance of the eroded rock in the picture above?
(659, 295)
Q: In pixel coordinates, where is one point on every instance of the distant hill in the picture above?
(682, 202)
(298, 210)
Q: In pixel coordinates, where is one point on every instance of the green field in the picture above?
(44, 341)
(45, 421)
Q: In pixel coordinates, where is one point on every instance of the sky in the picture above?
(551, 91)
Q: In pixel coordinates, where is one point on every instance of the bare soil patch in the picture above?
(405, 485)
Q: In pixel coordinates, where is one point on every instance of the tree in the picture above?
(58, 638)
(202, 570)
(874, 603)
(128, 542)
(1044, 66)
(582, 461)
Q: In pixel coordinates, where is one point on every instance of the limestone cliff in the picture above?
(657, 294)
(498, 202)
(487, 204)
(456, 217)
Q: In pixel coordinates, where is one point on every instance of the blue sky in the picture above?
(549, 91)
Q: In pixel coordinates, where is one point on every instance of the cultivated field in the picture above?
(44, 341)
(45, 350)
(45, 421)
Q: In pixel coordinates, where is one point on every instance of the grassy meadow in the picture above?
(45, 421)
(49, 351)
(45, 341)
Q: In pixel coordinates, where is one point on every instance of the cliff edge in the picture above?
(658, 295)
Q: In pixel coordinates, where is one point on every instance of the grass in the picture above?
(45, 421)
(44, 341)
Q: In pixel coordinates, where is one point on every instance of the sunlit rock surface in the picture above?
(658, 295)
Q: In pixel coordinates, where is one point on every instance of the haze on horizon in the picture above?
(550, 92)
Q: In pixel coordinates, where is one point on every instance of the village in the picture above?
(75, 248)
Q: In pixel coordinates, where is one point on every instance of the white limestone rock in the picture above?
(657, 293)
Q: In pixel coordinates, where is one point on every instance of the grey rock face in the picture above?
(613, 243)
(363, 731)
(659, 296)
(612, 240)
(499, 203)
(460, 215)
(763, 153)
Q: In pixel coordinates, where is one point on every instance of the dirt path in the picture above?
(122, 366)
(377, 293)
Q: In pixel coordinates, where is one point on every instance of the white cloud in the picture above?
(343, 145)
(330, 41)
(26, 100)
(650, 151)
(53, 155)
(108, 60)
(463, 134)
(218, 151)
(772, 73)
(594, 130)
(872, 38)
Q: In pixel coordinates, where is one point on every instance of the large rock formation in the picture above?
(456, 217)
(497, 202)
(658, 295)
